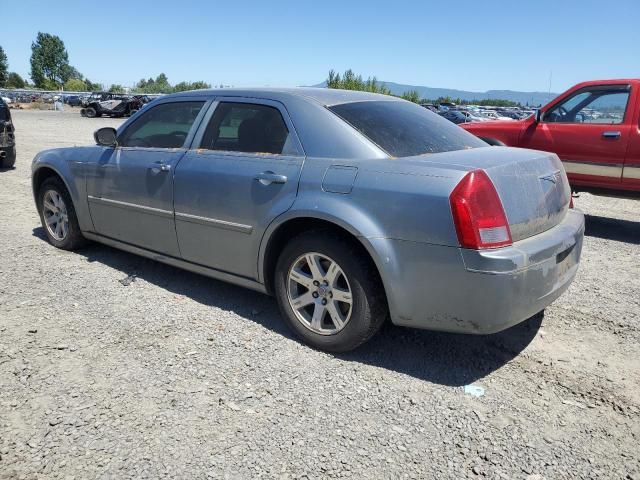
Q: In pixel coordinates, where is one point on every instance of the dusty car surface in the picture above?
(349, 207)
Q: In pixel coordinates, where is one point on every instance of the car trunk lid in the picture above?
(532, 185)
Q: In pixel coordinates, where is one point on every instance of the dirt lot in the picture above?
(178, 376)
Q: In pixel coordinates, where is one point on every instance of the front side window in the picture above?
(596, 105)
(249, 128)
(163, 126)
(404, 129)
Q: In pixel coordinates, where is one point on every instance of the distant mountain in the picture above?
(532, 98)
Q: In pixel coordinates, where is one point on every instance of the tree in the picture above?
(412, 96)
(15, 81)
(92, 87)
(49, 61)
(350, 81)
(4, 67)
(116, 88)
(72, 73)
(75, 85)
(185, 86)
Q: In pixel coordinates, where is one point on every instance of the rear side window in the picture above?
(403, 129)
(249, 128)
(163, 126)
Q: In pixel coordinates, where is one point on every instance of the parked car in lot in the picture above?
(455, 116)
(349, 207)
(73, 100)
(7, 137)
(593, 128)
(110, 105)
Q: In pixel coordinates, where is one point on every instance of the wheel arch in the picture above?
(41, 174)
(48, 167)
(279, 233)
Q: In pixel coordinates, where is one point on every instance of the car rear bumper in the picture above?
(467, 291)
(7, 152)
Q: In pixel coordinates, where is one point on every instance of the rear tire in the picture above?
(58, 216)
(342, 304)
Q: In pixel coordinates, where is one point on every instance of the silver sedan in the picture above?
(348, 207)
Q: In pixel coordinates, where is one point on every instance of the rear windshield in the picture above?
(404, 129)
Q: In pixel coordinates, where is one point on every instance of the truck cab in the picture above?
(593, 127)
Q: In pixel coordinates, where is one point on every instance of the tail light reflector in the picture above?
(478, 213)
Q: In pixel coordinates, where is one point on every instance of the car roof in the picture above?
(323, 96)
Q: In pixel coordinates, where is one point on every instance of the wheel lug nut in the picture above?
(314, 294)
(316, 283)
(324, 301)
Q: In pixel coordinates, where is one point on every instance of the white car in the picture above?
(494, 116)
(7, 100)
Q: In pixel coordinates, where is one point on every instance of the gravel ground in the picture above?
(173, 375)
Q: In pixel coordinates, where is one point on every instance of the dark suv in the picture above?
(7, 137)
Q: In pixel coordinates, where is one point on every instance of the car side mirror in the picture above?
(106, 137)
(538, 115)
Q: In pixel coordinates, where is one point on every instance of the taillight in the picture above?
(478, 213)
(571, 201)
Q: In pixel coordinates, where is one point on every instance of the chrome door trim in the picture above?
(214, 222)
(130, 206)
(591, 168)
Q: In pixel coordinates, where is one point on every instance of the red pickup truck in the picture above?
(593, 127)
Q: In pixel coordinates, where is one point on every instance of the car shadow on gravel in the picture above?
(445, 358)
(442, 358)
(615, 229)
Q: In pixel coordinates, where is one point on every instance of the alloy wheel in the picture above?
(319, 293)
(55, 214)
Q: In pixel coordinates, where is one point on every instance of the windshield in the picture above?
(404, 129)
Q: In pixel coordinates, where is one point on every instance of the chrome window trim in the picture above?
(204, 123)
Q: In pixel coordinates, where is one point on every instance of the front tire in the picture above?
(329, 292)
(58, 215)
(90, 112)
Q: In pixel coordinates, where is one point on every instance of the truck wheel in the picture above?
(83, 112)
(329, 294)
(58, 216)
(90, 112)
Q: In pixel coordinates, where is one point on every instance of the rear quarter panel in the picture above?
(391, 198)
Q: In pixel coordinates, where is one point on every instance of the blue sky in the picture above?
(471, 45)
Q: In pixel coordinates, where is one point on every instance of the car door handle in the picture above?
(267, 178)
(160, 167)
(611, 134)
